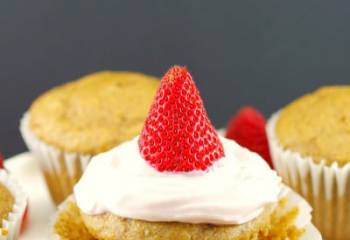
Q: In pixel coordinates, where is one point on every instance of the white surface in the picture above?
(26, 171)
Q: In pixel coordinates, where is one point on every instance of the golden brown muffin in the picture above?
(94, 114)
(318, 125)
(69, 124)
(274, 223)
(6, 203)
(13, 203)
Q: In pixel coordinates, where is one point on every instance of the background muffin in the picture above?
(310, 146)
(12, 206)
(69, 124)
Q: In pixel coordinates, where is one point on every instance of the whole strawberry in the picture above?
(247, 128)
(178, 135)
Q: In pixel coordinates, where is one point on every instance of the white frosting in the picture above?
(234, 190)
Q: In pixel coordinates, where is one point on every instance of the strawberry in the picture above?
(247, 128)
(178, 135)
(1, 161)
(25, 219)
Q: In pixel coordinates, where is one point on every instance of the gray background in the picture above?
(263, 53)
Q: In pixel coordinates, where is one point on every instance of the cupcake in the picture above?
(69, 124)
(12, 207)
(179, 180)
(310, 146)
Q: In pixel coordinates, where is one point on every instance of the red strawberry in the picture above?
(25, 220)
(247, 128)
(1, 161)
(178, 135)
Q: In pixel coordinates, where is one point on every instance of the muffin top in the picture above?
(95, 113)
(6, 203)
(318, 125)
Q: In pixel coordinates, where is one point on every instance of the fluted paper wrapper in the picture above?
(326, 188)
(294, 200)
(11, 226)
(61, 169)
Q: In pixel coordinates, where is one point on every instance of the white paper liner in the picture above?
(54, 162)
(303, 220)
(12, 225)
(325, 187)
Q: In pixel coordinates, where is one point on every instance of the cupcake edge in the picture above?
(12, 224)
(51, 234)
(54, 161)
(291, 163)
(303, 220)
(324, 186)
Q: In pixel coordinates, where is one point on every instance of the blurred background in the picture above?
(261, 53)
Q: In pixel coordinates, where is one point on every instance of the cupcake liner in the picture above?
(324, 187)
(303, 220)
(11, 226)
(61, 169)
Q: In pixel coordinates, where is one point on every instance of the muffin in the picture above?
(179, 180)
(12, 206)
(69, 124)
(309, 141)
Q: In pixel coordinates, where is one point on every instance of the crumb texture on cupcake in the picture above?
(274, 223)
(95, 113)
(69, 224)
(6, 203)
(318, 125)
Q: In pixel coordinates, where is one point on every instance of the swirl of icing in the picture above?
(234, 190)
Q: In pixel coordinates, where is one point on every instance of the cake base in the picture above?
(275, 223)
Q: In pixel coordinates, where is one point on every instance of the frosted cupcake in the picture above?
(12, 206)
(69, 124)
(179, 180)
(310, 146)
